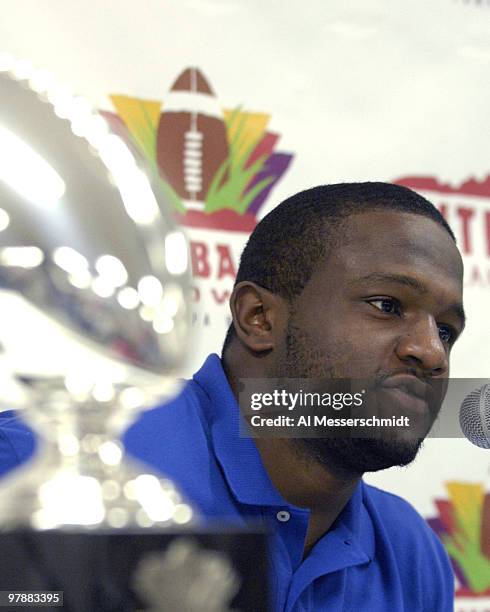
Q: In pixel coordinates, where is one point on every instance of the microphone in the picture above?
(474, 418)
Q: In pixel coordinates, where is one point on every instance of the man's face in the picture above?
(386, 305)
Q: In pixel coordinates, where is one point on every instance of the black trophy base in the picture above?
(139, 570)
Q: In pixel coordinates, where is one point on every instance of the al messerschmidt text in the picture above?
(323, 421)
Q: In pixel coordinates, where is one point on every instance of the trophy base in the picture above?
(114, 571)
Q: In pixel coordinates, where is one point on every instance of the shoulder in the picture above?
(161, 431)
(17, 441)
(388, 503)
(397, 515)
(405, 536)
(175, 440)
(407, 529)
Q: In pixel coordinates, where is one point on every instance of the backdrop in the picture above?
(241, 103)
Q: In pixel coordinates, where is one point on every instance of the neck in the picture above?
(306, 484)
(239, 363)
(301, 481)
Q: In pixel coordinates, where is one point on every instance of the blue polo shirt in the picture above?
(378, 556)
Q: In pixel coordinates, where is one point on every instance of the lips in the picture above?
(411, 385)
(409, 393)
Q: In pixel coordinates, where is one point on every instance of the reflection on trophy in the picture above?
(93, 276)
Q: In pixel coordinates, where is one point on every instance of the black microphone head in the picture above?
(474, 416)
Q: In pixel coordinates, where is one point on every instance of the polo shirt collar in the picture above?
(243, 468)
(238, 456)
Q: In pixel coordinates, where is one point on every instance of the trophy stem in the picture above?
(80, 478)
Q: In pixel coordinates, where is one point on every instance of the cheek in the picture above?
(351, 352)
(337, 340)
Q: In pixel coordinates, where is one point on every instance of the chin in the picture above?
(347, 457)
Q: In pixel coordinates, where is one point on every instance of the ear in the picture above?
(259, 316)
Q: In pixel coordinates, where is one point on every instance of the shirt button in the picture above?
(283, 516)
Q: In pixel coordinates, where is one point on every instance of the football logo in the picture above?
(219, 165)
(191, 139)
(463, 524)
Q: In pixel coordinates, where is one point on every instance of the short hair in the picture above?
(285, 246)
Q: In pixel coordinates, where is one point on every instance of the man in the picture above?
(342, 281)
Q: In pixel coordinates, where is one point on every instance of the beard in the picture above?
(349, 457)
(346, 456)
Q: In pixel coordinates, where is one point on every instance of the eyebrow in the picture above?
(458, 311)
(401, 279)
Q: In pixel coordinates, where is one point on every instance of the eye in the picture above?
(387, 305)
(446, 333)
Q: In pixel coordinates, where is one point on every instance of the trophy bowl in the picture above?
(94, 277)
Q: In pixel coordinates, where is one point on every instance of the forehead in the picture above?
(393, 242)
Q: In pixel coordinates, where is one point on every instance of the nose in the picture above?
(421, 347)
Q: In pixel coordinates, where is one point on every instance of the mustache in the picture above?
(435, 388)
(426, 378)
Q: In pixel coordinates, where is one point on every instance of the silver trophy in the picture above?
(93, 296)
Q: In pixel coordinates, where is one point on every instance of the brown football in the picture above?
(191, 138)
